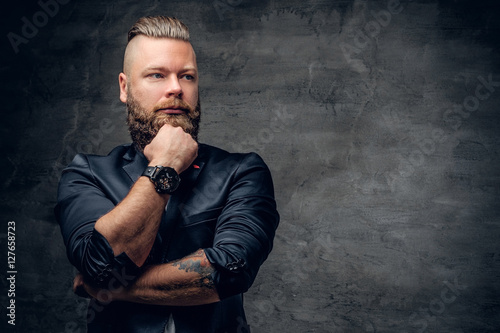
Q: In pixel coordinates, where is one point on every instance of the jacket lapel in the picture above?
(135, 163)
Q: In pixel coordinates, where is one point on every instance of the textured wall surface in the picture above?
(378, 119)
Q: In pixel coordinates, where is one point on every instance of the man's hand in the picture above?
(172, 147)
(78, 286)
(81, 288)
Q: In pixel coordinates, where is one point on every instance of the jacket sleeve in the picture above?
(80, 203)
(245, 229)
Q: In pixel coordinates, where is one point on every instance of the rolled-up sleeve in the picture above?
(245, 229)
(80, 203)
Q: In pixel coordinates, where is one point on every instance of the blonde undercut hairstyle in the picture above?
(159, 27)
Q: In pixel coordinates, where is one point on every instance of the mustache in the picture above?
(144, 124)
(174, 103)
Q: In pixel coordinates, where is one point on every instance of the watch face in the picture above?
(166, 180)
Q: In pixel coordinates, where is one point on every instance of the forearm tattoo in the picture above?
(198, 263)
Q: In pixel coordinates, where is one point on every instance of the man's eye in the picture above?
(189, 77)
(156, 76)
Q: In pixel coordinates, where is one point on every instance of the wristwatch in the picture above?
(166, 179)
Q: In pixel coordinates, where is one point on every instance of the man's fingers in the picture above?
(77, 281)
(172, 147)
(78, 286)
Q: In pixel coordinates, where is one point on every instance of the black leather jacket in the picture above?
(224, 205)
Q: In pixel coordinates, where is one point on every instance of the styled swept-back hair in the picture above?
(159, 27)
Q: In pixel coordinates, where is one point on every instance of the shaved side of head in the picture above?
(155, 27)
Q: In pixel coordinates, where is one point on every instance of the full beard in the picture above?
(144, 124)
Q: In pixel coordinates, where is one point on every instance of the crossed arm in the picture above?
(184, 282)
(131, 228)
(241, 243)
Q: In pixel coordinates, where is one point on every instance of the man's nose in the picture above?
(173, 87)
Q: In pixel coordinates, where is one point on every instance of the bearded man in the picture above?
(167, 233)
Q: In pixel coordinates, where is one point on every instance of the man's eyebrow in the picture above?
(161, 68)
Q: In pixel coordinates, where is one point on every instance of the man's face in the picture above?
(159, 86)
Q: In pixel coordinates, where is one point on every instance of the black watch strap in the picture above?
(149, 172)
(165, 179)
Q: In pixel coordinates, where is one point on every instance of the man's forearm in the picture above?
(185, 282)
(181, 283)
(131, 227)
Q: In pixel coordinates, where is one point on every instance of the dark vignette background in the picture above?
(379, 130)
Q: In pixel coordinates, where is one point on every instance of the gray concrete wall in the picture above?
(379, 121)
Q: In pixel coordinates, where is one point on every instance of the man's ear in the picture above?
(122, 81)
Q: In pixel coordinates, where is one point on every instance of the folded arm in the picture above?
(107, 234)
(185, 282)
(131, 227)
(242, 241)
